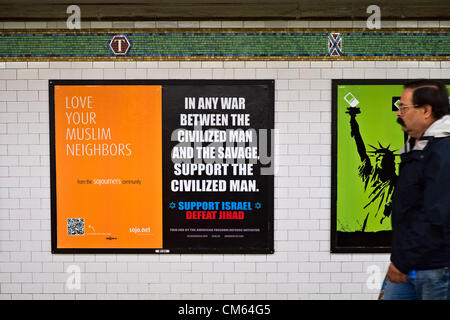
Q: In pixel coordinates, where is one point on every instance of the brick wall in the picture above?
(302, 266)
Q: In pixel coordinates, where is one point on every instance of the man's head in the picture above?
(422, 103)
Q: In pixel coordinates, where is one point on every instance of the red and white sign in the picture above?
(120, 44)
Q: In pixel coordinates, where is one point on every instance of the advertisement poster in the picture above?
(365, 160)
(162, 166)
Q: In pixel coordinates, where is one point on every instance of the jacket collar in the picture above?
(438, 129)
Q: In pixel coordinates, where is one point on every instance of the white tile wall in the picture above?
(301, 268)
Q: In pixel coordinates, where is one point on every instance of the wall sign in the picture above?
(162, 166)
(365, 143)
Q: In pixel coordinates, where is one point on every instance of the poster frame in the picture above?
(270, 83)
(334, 247)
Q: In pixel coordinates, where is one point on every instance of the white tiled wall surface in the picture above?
(301, 267)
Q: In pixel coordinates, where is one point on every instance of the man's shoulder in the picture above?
(441, 142)
(441, 146)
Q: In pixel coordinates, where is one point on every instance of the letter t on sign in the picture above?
(120, 44)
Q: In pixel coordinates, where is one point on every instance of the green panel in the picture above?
(54, 45)
(377, 125)
(228, 45)
(378, 128)
(396, 44)
(232, 44)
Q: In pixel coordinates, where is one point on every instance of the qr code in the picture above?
(75, 226)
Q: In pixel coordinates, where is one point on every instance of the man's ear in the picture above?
(428, 111)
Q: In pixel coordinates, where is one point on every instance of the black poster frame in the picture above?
(269, 249)
(334, 241)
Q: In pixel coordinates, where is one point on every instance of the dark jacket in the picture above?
(421, 202)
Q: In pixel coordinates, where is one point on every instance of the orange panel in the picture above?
(109, 165)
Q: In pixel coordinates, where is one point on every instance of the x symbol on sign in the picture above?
(335, 44)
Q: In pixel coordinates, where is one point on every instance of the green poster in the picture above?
(366, 144)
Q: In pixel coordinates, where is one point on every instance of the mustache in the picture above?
(401, 122)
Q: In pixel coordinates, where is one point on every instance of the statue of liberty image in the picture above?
(377, 171)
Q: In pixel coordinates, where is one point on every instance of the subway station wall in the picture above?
(301, 267)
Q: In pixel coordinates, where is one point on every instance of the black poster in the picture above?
(218, 166)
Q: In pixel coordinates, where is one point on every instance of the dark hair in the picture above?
(430, 92)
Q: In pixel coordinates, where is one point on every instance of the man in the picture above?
(420, 257)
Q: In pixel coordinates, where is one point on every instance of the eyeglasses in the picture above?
(404, 107)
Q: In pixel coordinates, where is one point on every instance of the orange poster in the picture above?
(108, 166)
